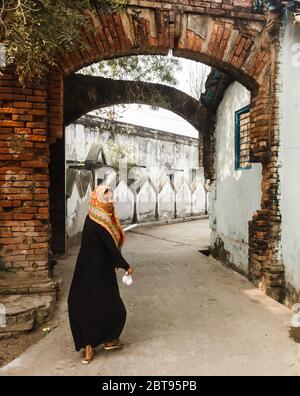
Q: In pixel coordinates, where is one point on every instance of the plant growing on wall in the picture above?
(33, 31)
(147, 68)
(118, 155)
(258, 5)
(116, 152)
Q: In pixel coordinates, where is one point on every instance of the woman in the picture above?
(96, 312)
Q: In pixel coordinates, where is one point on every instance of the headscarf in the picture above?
(104, 214)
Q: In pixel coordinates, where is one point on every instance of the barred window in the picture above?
(242, 138)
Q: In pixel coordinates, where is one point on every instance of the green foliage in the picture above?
(147, 68)
(258, 5)
(34, 31)
(140, 68)
(116, 152)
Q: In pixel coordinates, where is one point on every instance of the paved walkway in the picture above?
(187, 315)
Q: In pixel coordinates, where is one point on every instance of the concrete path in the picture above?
(187, 315)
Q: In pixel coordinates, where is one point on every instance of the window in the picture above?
(242, 138)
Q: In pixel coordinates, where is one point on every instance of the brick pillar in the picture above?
(265, 265)
(24, 183)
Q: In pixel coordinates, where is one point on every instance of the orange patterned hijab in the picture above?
(104, 214)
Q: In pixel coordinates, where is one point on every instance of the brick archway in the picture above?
(221, 34)
(226, 36)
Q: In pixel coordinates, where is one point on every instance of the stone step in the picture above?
(23, 312)
(29, 287)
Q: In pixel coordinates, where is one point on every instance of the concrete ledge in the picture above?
(76, 239)
(172, 221)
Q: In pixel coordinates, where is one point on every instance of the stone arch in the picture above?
(83, 94)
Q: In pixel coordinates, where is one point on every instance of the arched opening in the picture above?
(237, 44)
(168, 175)
(87, 93)
(243, 50)
(154, 173)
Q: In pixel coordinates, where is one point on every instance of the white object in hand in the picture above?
(127, 279)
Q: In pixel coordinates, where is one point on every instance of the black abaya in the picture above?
(96, 311)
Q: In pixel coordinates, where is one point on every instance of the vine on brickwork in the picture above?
(33, 31)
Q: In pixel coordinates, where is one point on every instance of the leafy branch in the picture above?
(34, 31)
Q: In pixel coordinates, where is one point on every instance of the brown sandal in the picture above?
(115, 344)
(86, 360)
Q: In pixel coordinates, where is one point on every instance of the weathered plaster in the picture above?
(289, 156)
(236, 194)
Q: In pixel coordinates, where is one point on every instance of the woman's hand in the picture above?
(130, 271)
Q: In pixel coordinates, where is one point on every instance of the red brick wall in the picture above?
(24, 180)
(265, 264)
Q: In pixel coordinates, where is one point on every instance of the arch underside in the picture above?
(237, 49)
(84, 94)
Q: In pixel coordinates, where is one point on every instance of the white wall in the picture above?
(148, 147)
(290, 153)
(236, 195)
(77, 208)
(78, 142)
(180, 151)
